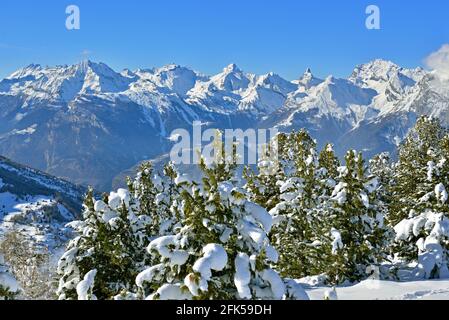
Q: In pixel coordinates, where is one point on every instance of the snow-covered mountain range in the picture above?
(88, 123)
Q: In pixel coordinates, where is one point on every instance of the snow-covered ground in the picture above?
(36, 204)
(388, 290)
(41, 218)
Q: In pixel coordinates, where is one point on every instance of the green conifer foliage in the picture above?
(419, 210)
(356, 238)
(263, 186)
(222, 250)
(167, 195)
(108, 243)
(144, 191)
(294, 235)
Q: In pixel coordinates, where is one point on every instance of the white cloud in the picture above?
(439, 61)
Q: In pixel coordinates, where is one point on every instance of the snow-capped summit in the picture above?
(266, 94)
(380, 71)
(232, 67)
(64, 83)
(99, 77)
(231, 79)
(334, 97)
(128, 74)
(374, 70)
(233, 90)
(390, 81)
(275, 82)
(308, 80)
(174, 77)
(25, 72)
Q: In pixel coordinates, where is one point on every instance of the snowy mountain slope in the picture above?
(326, 110)
(172, 78)
(63, 83)
(234, 90)
(371, 111)
(391, 82)
(36, 203)
(87, 123)
(307, 81)
(429, 96)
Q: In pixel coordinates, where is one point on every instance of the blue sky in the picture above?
(284, 36)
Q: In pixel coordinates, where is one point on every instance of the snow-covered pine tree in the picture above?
(263, 186)
(166, 201)
(420, 210)
(294, 235)
(329, 162)
(327, 174)
(294, 151)
(283, 157)
(222, 250)
(416, 153)
(381, 166)
(144, 191)
(105, 257)
(356, 233)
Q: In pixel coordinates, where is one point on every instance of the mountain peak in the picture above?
(97, 67)
(383, 62)
(376, 67)
(308, 80)
(128, 73)
(85, 64)
(170, 67)
(33, 66)
(26, 71)
(232, 68)
(379, 73)
(330, 79)
(307, 75)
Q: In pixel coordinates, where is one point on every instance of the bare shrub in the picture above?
(30, 265)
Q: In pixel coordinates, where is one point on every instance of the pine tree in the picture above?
(294, 235)
(416, 152)
(327, 175)
(263, 186)
(222, 250)
(285, 156)
(329, 162)
(382, 167)
(356, 234)
(104, 259)
(144, 191)
(167, 195)
(419, 209)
